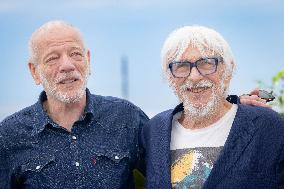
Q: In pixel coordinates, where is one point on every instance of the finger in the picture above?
(255, 92)
(255, 103)
(257, 99)
(253, 97)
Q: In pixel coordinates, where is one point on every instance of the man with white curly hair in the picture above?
(205, 141)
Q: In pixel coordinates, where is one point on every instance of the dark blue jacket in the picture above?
(252, 157)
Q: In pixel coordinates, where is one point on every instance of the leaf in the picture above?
(278, 76)
(281, 100)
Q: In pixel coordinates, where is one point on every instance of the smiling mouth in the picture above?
(68, 81)
(197, 90)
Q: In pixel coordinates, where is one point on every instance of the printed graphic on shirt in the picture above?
(191, 167)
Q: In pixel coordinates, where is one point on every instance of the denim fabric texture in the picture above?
(101, 150)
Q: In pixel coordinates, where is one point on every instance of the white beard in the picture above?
(52, 90)
(195, 111)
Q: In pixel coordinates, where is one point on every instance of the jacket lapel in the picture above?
(239, 137)
(162, 148)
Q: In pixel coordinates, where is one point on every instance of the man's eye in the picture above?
(51, 59)
(76, 54)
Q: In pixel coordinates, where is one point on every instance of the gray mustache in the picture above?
(189, 84)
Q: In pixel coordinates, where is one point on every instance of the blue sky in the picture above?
(137, 29)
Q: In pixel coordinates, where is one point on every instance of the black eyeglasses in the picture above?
(205, 66)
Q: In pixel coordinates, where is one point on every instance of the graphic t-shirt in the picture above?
(194, 152)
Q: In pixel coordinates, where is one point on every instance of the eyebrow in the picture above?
(70, 49)
(77, 48)
(47, 55)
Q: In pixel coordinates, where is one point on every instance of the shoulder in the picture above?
(264, 125)
(267, 122)
(108, 101)
(162, 116)
(22, 117)
(18, 124)
(108, 107)
(262, 114)
(159, 122)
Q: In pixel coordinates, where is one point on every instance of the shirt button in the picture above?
(74, 137)
(38, 167)
(116, 157)
(77, 164)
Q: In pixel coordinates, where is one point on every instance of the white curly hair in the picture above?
(203, 39)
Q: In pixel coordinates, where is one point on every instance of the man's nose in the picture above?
(66, 64)
(194, 74)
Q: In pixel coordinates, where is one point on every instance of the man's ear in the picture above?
(34, 73)
(88, 60)
(230, 73)
(88, 56)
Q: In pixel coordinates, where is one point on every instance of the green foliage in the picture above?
(278, 77)
(277, 86)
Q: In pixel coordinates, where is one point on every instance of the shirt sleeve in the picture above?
(143, 120)
(4, 170)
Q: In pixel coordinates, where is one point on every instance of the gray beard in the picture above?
(51, 90)
(207, 110)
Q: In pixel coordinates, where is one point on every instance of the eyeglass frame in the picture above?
(194, 64)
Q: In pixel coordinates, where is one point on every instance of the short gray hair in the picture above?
(33, 42)
(200, 37)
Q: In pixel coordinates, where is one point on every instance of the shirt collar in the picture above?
(178, 108)
(41, 119)
(90, 106)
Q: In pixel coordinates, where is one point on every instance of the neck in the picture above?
(190, 122)
(65, 114)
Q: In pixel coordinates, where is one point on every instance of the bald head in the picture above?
(49, 32)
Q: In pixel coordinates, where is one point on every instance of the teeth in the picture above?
(197, 90)
(68, 81)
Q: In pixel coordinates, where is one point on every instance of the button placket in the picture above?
(76, 160)
(75, 150)
(79, 161)
(77, 164)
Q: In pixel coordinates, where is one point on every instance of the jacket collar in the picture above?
(161, 141)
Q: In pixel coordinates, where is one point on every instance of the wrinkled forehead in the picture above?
(192, 53)
(57, 36)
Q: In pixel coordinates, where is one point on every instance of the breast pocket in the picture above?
(112, 167)
(38, 171)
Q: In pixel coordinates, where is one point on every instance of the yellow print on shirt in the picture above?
(191, 167)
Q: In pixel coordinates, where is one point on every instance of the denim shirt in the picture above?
(101, 150)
